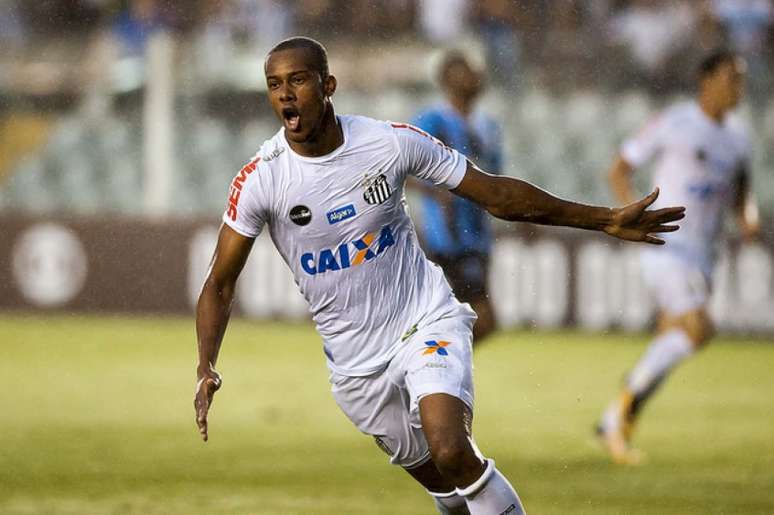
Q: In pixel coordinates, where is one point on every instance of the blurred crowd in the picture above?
(560, 43)
(75, 76)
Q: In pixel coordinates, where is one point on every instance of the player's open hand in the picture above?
(636, 222)
(209, 383)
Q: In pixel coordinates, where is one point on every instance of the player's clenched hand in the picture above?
(636, 222)
(209, 383)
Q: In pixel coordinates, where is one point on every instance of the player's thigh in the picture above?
(436, 368)
(381, 409)
(677, 287)
(438, 359)
(446, 421)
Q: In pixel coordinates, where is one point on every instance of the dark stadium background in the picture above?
(122, 123)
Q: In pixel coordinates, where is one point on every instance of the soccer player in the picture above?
(455, 231)
(702, 158)
(397, 342)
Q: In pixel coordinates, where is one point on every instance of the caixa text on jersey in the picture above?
(350, 254)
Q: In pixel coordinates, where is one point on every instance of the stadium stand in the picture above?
(87, 155)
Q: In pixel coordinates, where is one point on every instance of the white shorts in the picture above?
(435, 359)
(676, 285)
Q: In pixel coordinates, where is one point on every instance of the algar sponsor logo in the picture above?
(350, 254)
(342, 213)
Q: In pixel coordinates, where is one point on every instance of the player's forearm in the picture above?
(745, 207)
(620, 181)
(519, 201)
(748, 217)
(212, 315)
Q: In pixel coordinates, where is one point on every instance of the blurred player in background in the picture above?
(702, 163)
(398, 343)
(455, 232)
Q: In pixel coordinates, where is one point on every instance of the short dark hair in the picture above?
(319, 54)
(713, 61)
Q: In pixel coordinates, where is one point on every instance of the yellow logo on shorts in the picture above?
(436, 347)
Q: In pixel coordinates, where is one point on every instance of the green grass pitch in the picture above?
(96, 417)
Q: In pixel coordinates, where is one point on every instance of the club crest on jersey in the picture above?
(377, 190)
(347, 255)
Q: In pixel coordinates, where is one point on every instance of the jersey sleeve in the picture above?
(426, 158)
(246, 207)
(642, 147)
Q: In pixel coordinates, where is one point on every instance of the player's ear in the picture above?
(329, 85)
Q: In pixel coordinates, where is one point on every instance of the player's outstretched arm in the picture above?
(619, 177)
(518, 201)
(746, 208)
(212, 314)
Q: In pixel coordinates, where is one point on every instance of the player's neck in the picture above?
(328, 137)
(464, 106)
(712, 109)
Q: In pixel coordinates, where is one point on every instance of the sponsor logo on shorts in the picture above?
(350, 254)
(300, 215)
(340, 214)
(509, 509)
(436, 347)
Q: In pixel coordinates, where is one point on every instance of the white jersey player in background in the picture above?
(702, 156)
(398, 344)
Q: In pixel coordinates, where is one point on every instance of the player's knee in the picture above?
(454, 457)
(706, 333)
(699, 328)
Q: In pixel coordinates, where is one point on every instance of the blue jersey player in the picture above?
(456, 232)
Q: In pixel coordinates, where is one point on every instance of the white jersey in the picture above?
(341, 224)
(698, 164)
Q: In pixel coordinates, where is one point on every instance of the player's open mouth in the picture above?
(291, 117)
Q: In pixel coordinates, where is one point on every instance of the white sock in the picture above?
(664, 353)
(450, 503)
(491, 494)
